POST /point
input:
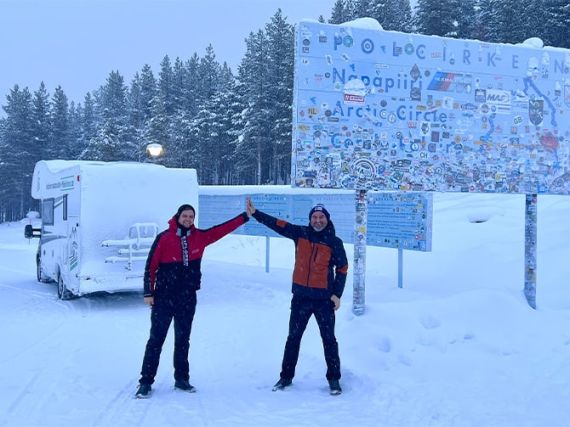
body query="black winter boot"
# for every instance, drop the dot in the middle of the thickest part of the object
(144, 391)
(184, 385)
(334, 387)
(282, 383)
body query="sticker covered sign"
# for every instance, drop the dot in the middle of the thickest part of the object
(384, 110)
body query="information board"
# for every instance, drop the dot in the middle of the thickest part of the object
(400, 220)
(384, 110)
(395, 220)
(293, 208)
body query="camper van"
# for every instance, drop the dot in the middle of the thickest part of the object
(99, 219)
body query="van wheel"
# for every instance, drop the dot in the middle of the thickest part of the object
(62, 292)
(39, 273)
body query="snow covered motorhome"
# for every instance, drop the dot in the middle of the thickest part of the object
(99, 220)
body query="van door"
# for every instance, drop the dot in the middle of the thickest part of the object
(49, 240)
(73, 255)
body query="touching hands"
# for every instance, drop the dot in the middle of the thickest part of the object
(250, 209)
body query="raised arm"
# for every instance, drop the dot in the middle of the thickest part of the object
(280, 226)
(216, 232)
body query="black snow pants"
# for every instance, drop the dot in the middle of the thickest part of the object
(182, 309)
(301, 310)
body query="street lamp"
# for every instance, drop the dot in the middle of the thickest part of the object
(154, 150)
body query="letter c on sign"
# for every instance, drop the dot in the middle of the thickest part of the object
(420, 51)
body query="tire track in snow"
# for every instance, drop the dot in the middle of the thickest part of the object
(32, 292)
(18, 400)
(11, 270)
(34, 307)
(118, 406)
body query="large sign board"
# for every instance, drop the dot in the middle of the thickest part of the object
(384, 110)
(395, 220)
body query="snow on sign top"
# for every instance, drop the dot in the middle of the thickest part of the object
(384, 110)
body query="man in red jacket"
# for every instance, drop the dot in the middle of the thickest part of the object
(319, 276)
(172, 277)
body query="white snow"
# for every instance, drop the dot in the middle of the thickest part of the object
(457, 346)
(364, 24)
(533, 42)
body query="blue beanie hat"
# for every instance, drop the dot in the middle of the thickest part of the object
(320, 208)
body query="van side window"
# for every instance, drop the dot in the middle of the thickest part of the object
(47, 212)
(65, 207)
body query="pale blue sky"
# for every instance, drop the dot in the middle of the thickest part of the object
(76, 43)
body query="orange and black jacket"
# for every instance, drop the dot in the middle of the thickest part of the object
(320, 259)
(174, 260)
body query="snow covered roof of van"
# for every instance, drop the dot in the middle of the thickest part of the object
(51, 177)
(55, 166)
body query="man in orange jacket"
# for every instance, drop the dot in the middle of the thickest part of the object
(319, 277)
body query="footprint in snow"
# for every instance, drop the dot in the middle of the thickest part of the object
(429, 322)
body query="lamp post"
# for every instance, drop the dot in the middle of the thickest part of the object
(155, 151)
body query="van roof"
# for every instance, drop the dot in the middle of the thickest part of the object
(55, 166)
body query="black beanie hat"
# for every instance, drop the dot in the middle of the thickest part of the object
(319, 208)
(184, 207)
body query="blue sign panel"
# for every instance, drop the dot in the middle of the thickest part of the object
(216, 209)
(400, 220)
(395, 220)
(293, 208)
(384, 110)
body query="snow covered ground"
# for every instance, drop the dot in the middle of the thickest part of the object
(457, 346)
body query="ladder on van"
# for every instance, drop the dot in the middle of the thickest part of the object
(136, 246)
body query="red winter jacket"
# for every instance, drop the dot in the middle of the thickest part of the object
(174, 260)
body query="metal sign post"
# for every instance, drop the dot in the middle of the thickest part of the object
(530, 249)
(267, 257)
(400, 267)
(360, 252)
